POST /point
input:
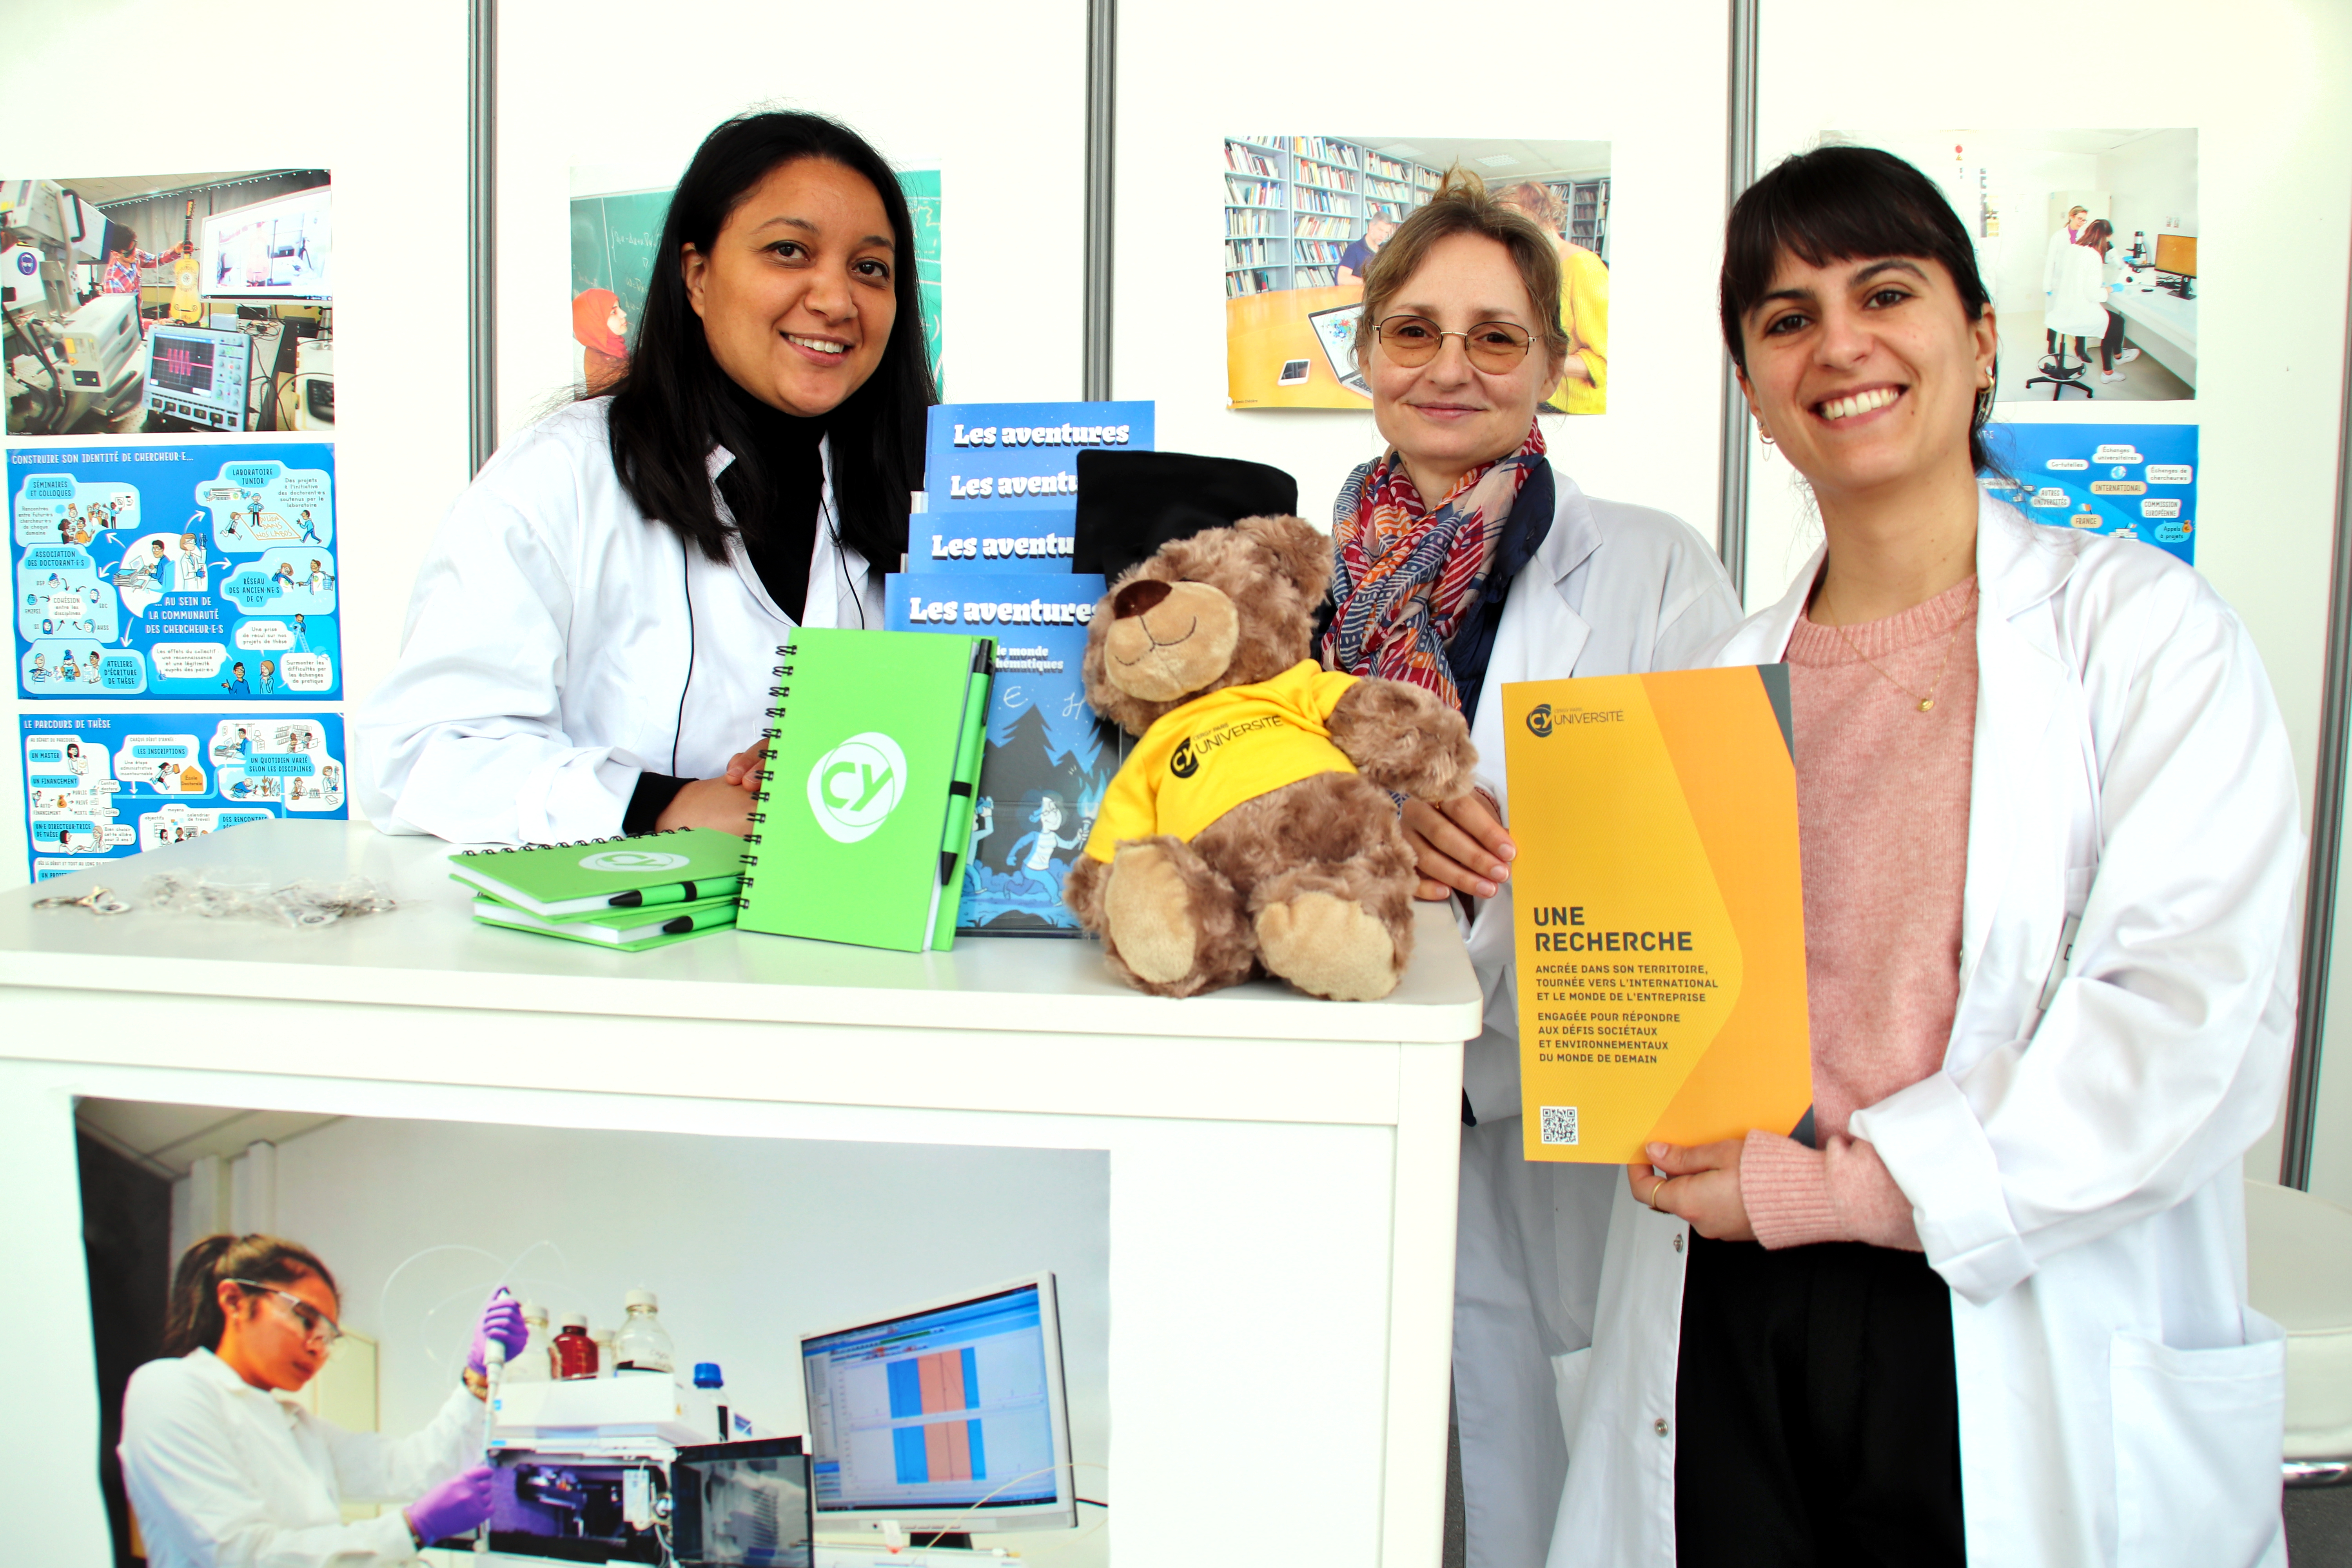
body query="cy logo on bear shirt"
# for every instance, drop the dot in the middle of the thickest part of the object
(853, 787)
(1184, 764)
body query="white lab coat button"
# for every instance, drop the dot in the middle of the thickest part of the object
(1678, 1241)
(1661, 1427)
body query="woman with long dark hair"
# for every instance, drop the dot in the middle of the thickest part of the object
(1989, 1304)
(2079, 298)
(223, 1472)
(593, 633)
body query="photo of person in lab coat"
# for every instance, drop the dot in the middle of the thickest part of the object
(1462, 561)
(1989, 1304)
(2079, 303)
(222, 1470)
(2059, 243)
(591, 638)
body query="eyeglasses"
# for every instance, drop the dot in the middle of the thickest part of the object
(316, 1324)
(1496, 347)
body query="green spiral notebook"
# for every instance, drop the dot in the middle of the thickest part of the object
(679, 866)
(629, 930)
(865, 814)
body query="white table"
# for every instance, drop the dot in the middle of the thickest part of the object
(2163, 324)
(1283, 1170)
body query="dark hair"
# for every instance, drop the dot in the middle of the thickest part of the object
(2096, 233)
(1462, 204)
(1847, 203)
(671, 405)
(193, 1317)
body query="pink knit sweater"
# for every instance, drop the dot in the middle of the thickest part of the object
(1883, 830)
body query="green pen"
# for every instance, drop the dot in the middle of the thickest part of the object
(967, 772)
(675, 893)
(698, 919)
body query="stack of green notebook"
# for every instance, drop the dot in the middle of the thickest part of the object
(865, 816)
(628, 893)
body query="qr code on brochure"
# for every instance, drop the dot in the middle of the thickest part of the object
(1559, 1124)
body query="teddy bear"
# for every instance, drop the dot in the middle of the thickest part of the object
(1253, 825)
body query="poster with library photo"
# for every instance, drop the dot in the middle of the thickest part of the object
(168, 304)
(616, 223)
(2087, 242)
(1304, 214)
(913, 1332)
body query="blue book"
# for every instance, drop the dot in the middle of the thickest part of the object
(1000, 456)
(1048, 758)
(972, 543)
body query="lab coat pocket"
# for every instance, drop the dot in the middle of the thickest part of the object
(2198, 1436)
(2078, 894)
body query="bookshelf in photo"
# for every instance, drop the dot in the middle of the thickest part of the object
(1586, 203)
(1293, 204)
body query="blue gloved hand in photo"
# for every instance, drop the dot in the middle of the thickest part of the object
(454, 1507)
(502, 1321)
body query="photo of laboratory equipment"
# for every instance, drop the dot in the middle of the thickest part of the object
(944, 1420)
(168, 304)
(741, 1505)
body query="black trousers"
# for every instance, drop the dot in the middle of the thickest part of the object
(2110, 345)
(1816, 1412)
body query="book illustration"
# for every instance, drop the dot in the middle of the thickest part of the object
(1047, 760)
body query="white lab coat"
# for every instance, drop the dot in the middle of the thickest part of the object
(2074, 1168)
(1614, 590)
(545, 666)
(2078, 295)
(2060, 244)
(224, 1474)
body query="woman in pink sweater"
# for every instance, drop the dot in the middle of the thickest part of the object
(1987, 1304)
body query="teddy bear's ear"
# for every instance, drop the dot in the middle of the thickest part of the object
(1300, 549)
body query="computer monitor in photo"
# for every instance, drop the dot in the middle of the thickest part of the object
(947, 1417)
(2177, 254)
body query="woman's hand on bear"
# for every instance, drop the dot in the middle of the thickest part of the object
(1459, 846)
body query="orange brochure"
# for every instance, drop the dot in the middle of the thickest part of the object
(1659, 910)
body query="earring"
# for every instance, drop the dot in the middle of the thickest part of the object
(1762, 433)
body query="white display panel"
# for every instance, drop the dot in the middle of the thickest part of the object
(277, 250)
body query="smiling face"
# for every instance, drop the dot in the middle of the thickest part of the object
(1866, 372)
(796, 295)
(264, 1339)
(1447, 416)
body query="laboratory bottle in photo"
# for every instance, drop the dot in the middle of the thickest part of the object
(643, 1344)
(604, 1357)
(535, 1362)
(575, 1353)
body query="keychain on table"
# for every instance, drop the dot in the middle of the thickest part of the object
(98, 901)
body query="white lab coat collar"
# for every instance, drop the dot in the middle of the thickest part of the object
(2018, 568)
(828, 573)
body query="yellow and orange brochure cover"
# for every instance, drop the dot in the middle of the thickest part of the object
(1658, 908)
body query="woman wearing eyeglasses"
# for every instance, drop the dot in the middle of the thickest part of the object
(1464, 562)
(222, 1471)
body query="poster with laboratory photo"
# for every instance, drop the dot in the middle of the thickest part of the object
(169, 304)
(911, 1333)
(2087, 240)
(616, 224)
(1304, 216)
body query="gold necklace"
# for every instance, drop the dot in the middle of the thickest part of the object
(1927, 703)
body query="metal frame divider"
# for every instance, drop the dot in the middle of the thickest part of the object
(2326, 824)
(1740, 172)
(482, 231)
(1102, 84)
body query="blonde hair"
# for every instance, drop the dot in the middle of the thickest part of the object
(1538, 201)
(1462, 204)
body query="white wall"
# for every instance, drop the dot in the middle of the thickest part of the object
(1648, 80)
(750, 1243)
(381, 104)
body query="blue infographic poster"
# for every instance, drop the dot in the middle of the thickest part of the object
(2128, 481)
(102, 788)
(999, 456)
(196, 571)
(1048, 760)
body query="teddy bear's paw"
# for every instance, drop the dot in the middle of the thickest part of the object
(1148, 910)
(1328, 946)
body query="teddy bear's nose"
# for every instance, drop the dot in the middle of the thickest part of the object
(1139, 597)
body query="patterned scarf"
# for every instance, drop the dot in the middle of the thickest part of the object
(1404, 575)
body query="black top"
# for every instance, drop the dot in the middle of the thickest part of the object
(775, 488)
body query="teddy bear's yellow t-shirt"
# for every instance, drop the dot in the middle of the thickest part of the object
(1200, 761)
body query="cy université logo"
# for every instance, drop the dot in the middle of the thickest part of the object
(854, 786)
(632, 860)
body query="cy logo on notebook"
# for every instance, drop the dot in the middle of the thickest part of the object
(633, 861)
(854, 786)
